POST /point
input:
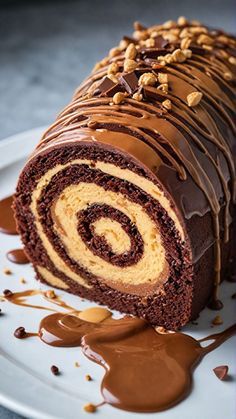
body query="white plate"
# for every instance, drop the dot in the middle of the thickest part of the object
(26, 384)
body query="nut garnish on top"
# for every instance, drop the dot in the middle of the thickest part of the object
(176, 43)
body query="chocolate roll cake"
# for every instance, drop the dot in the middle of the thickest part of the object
(128, 198)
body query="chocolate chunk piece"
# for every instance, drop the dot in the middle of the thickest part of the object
(197, 49)
(221, 372)
(130, 40)
(55, 370)
(130, 82)
(152, 52)
(104, 87)
(20, 333)
(160, 42)
(113, 90)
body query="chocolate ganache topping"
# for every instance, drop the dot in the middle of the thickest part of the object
(129, 197)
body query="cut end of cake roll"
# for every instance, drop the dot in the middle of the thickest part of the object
(128, 198)
(97, 223)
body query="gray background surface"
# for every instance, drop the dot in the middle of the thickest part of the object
(48, 47)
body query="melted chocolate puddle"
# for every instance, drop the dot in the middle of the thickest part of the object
(7, 220)
(146, 371)
(17, 256)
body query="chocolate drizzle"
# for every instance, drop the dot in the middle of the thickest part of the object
(192, 141)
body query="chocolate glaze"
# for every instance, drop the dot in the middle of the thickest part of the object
(17, 256)
(147, 369)
(7, 221)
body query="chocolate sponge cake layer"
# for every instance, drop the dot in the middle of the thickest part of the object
(128, 198)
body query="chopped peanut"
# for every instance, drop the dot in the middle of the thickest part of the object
(167, 104)
(228, 76)
(137, 96)
(232, 60)
(162, 78)
(113, 68)
(185, 43)
(129, 65)
(194, 98)
(118, 98)
(182, 21)
(131, 52)
(147, 79)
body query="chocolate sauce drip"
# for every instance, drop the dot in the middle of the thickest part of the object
(17, 256)
(7, 221)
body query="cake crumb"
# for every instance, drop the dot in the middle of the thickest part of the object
(7, 271)
(88, 377)
(76, 364)
(22, 281)
(217, 321)
(50, 294)
(90, 408)
(55, 370)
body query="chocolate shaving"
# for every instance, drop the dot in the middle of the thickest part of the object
(221, 372)
(130, 82)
